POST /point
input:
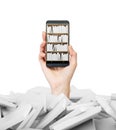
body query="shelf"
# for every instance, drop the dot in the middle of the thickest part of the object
(57, 42)
(57, 51)
(57, 33)
(57, 24)
(56, 60)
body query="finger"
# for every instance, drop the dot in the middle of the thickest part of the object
(42, 60)
(41, 56)
(43, 46)
(44, 36)
(73, 54)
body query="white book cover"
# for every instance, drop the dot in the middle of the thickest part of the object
(30, 129)
(113, 96)
(113, 105)
(80, 106)
(77, 120)
(0, 112)
(76, 112)
(22, 125)
(33, 118)
(15, 117)
(55, 101)
(53, 114)
(106, 107)
(4, 102)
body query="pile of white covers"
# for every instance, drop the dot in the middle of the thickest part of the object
(38, 109)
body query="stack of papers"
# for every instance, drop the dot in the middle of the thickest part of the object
(38, 109)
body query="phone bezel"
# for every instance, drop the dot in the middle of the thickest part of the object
(58, 63)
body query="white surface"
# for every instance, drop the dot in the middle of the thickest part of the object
(93, 35)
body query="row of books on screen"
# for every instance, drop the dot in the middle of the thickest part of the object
(57, 29)
(57, 38)
(57, 47)
(57, 56)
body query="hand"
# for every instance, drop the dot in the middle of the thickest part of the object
(59, 78)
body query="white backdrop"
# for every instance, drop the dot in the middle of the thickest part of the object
(93, 36)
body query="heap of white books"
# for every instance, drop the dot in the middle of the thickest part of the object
(38, 109)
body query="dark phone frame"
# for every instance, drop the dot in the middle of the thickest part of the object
(57, 63)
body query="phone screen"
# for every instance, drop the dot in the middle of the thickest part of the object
(57, 35)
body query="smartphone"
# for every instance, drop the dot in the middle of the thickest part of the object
(57, 37)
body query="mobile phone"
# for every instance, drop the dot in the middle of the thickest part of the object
(57, 37)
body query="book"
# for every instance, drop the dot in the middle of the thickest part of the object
(59, 108)
(6, 103)
(77, 120)
(74, 113)
(15, 117)
(106, 107)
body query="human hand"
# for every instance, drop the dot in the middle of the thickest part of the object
(59, 78)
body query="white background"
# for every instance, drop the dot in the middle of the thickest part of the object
(92, 34)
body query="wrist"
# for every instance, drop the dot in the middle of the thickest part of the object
(64, 88)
